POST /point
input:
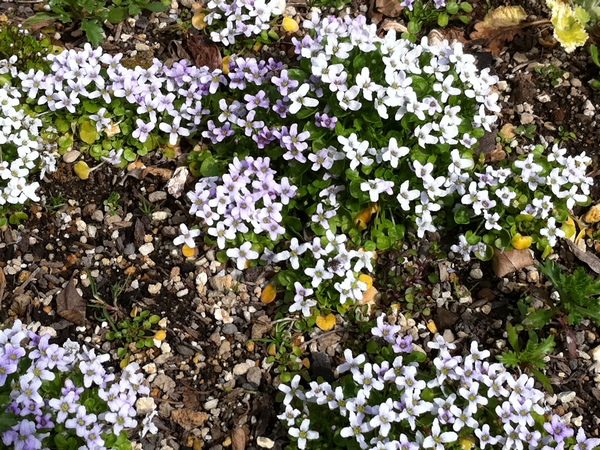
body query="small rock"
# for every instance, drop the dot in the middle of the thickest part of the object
(254, 375)
(526, 118)
(476, 274)
(264, 442)
(159, 216)
(154, 288)
(224, 348)
(242, 368)
(71, 157)
(566, 397)
(229, 329)
(98, 215)
(211, 404)
(520, 58)
(149, 368)
(146, 249)
(184, 350)
(157, 196)
(145, 405)
(221, 283)
(164, 383)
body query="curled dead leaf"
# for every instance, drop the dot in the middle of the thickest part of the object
(204, 52)
(499, 27)
(188, 418)
(70, 305)
(510, 261)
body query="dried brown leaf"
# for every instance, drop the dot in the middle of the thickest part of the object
(164, 174)
(390, 8)
(499, 27)
(176, 183)
(589, 258)
(2, 284)
(189, 419)
(393, 25)
(510, 261)
(204, 52)
(70, 305)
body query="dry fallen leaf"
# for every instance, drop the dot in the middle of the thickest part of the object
(593, 214)
(587, 257)
(499, 26)
(189, 419)
(204, 52)
(393, 25)
(164, 174)
(2, 284)
(510, 261)
(369, 296)
(70, 305)
(390, 8)
(176, 184)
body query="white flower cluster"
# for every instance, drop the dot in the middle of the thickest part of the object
(242, 17)
(21, 148)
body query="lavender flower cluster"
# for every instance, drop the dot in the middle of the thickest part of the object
(247, 196)
(396, 404)
(54, 390)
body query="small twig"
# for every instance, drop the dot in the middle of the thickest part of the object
(31, 277)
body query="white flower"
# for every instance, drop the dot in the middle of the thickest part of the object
(406, 196)
(303, 433)
(186, 236)
(299, 99)
(242, 255)
(552, 232)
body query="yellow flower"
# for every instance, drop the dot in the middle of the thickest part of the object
(568, 28)
(290, 25)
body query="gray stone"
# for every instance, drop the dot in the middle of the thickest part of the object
(229, 329)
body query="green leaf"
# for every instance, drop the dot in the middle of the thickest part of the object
(383, 242)
(373, 347)
(134, 9)
(17, 217)
(210, 168)
(461, 216)
(117, 15)
(88, 133)
(509, 359)
(452, 8)
(7, 421)
(539, 318)
(542, 378)
(443, 20)
(513, 337)
(154, 319)
(93, 31)
(39, 18)
(156, 7)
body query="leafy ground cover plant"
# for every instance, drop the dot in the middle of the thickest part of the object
(396, 400)
(63, 397)
(89, 15)
(421, 14)
(322, 163)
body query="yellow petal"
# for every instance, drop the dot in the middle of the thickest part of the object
(268, 294)
(160, 335)
(199, 21)
(466, 443)
(188, 251)
(290, 25)
(226, 64)
(82, 170)
(326, 323)
(520, 242)
(366, 279)
(431, 326)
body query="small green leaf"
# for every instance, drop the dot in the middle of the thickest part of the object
(121, 352)
(461, 216)
(93, 31)
(154, 319)
(513, 337)
(17, 217)
(210, 168)
(452, 8)
(117, 15)
(373, 347)
(156, 7)
(443, 20)
(539, 319)
(141, 343)
(88, 133)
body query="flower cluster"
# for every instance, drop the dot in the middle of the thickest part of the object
(246, 198)
(58, 394)
(22, 150)
(393, 403)
(240, 18)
